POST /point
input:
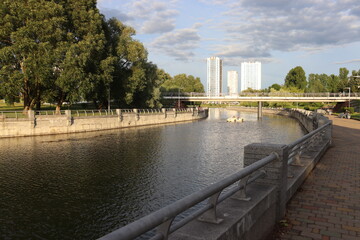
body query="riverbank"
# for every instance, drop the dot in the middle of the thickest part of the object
(34, 124)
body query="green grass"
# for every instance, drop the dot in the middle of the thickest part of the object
(355, 116)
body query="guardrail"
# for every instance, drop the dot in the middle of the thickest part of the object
(13, 114)
(88, 113)
(262, 94)
(162, 220)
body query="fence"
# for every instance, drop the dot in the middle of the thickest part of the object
(274, 167)
(89, 113)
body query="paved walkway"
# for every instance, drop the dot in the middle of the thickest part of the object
(327, 206)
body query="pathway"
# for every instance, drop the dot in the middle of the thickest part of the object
(327, 206)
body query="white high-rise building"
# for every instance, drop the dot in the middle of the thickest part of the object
(250, 75)
(233, 83)
(214, 76)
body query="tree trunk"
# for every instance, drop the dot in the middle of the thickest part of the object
(57, 110)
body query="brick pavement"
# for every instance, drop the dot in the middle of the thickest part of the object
(327, 206)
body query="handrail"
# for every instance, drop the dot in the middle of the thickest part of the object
(307, 136)
(264, 94)
(168, 213)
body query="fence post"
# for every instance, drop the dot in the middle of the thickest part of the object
(276, 172)
(163, 110)
(136, 111)
(68, 117)
(119, 114)
(31, 117)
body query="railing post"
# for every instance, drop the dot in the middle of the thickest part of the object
(210, 216)
(68, 117)
(276, 172)
(136, 111)
(119, 114)
(31, 116)
(175, 113)
(163, 110)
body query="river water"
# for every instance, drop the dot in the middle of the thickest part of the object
(82, 186)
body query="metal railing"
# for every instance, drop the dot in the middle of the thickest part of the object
(163, 218)
(13, 114)
(263, 94)
(49, 113)
(306, 143)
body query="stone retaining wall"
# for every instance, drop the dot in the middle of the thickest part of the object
(59, 124)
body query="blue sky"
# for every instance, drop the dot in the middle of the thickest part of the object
(319, 35)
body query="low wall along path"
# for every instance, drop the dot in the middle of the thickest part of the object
(35, 123)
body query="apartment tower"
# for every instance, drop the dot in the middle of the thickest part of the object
(214, 76)
(232, 83)
(250, 75)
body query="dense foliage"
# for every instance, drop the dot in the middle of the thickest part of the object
(66, 51)
(183, 83)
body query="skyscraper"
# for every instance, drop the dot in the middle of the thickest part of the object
(250, 75)
(232, 83)
(214, 76)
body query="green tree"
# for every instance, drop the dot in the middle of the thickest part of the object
(343, 79)
(354, 82)
(275, 86)
(83, 70)
(296, 78)
(184, 83)
(29, 34)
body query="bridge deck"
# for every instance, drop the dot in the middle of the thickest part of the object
(327, 205)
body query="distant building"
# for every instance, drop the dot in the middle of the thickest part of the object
(250, 75)
(214, 76)
(233, 83)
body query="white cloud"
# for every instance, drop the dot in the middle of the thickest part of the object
(179, 44)
(349, 61)
(255, 28)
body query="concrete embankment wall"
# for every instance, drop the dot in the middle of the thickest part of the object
(308, 119)
(254, 217)
(58, 124)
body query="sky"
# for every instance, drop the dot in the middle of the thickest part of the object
(321, 36)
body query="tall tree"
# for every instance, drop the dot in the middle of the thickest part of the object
(296, 78)
(343, 79)
(354, 82)
(183, 83)
(81, 72)
(29, 34)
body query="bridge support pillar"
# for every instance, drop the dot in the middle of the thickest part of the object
(259, 113)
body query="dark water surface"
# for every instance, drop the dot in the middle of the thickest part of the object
(82, 186)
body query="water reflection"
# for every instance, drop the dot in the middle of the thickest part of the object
(83, 186)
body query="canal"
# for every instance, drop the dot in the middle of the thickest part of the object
(85, 185)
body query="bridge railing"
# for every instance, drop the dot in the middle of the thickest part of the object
(174, 95)
(162, 220)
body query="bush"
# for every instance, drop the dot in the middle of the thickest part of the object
(350, 109)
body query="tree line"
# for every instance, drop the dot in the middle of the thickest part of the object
(60, 51)
(296, 81)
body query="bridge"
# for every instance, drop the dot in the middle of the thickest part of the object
(265, 97)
